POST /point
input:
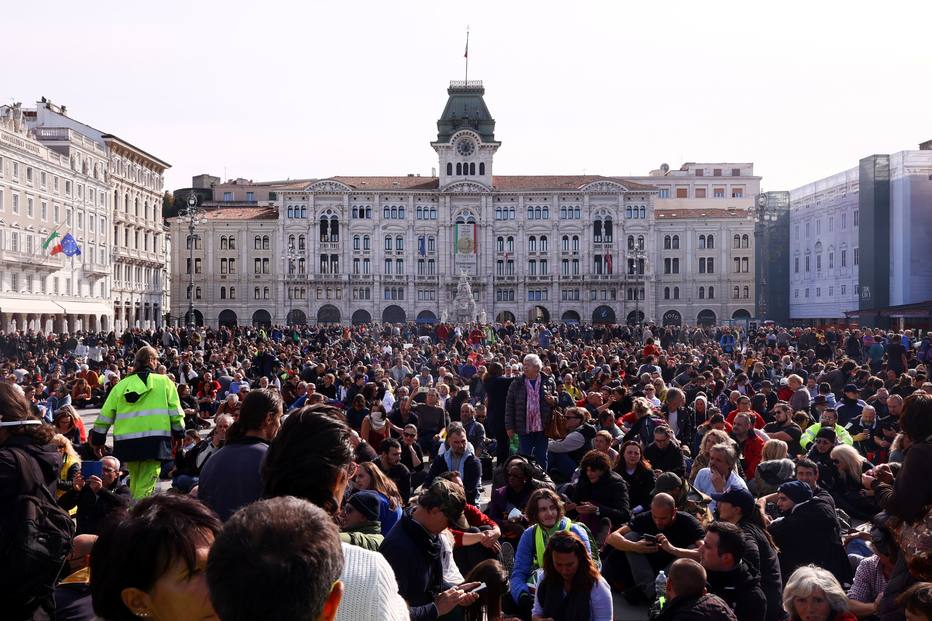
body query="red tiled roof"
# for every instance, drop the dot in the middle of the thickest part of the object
(242, 213)
(677, 214)
(501, 183)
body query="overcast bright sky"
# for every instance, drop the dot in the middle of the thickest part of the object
(272, 90)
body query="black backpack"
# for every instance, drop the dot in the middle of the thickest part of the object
(36, 541)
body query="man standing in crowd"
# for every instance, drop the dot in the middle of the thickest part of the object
(147, 422)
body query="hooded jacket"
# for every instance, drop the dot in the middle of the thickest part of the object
(367, 536)
(609, 493)
(740, 589)
(770, 474)
(809, 533)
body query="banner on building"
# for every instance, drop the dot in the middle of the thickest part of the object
(465, 238)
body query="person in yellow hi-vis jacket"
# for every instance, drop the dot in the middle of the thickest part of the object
(147, 420)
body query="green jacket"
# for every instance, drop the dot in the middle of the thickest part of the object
(811, 431)
(368, 536)
(142, 429)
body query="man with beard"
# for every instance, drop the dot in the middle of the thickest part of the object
(783, 428)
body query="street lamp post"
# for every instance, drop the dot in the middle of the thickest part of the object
(763, 218)
(194, 214)
(638, 255)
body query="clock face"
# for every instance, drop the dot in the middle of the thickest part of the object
(465, 146)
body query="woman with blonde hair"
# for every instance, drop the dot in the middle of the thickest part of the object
(814, 594)
(369, 477)
(846, 490)
(777, 469)
(70, 466)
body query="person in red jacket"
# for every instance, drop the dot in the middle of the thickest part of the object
(750, 445)
(744, 405)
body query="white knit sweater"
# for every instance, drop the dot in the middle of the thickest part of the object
(370, 592)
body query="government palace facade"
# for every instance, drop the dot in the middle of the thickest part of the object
(672, 247)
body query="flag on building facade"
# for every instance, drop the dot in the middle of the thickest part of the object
(421, 248)
(49, 240)
(69, 246)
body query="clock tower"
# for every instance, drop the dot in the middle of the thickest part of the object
(465, 141)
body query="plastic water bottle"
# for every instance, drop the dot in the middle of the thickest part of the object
(660, 586)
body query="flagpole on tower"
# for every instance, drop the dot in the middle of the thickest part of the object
(466, 55)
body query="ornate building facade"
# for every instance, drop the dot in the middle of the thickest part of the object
(532, 248)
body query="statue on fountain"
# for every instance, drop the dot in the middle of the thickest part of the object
(464, 305)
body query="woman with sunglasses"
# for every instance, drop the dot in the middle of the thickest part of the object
(571, 587)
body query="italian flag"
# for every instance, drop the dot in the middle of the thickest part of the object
(49, 240)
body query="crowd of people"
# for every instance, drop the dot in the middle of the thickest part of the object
(534, 472)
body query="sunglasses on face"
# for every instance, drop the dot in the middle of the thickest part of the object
(408, 434)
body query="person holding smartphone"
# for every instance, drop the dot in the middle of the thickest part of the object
(96, 495)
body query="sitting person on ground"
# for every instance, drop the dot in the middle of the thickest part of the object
(571, 587)
(783, 428)
(774, 470)
(231, 478)
(564, 455)
(369, 477)
(737, 507)
(312, 458)
(637, 473)
(750, 444)
(72, 595)
(687, 598)
(722, 555)
(665, 453)
(389, 462)
(814, 594)
(807, 532)
(709, 439)
(848, 492)
(278, 559)
(190, 462)
(821, 453)
(359, 521)
(461, 459)
(873, 572)
(600, 497)
(547, 516)
(413, 549)
(506, 507)
(633, 557)
(721, 474)
(828, 419)
(163, 578)
(95, 498)
(475, 536)
(687, 497)
(489, 604)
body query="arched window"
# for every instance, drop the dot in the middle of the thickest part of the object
(666, 293)
(640, 242)
(597, 231)
(231, 243)
(301, 243)
(701, 293)
(472, 169)
(747, 292)
(702, 242)
(304, 212)
(500, 244)
(702, 265)
(223, 242)
(735, 293)
(565, 243)
(676, 293)
(291, 242)
(265, 293)
(394, 212)
(543, 243)
(334, 229)
(481, 168)
(290, 211)
(232, 293)
(607, 230)
(355, 242)
(643, 212)
(676, 242)
(399, 243)
(431, 244)
(449, 169)
(256, 294)
(223, 293)
(257, 243)
(736, 241)
(710, 242)
(630, 242)
(537, 213)
(388, 243)
(365, 242)
(324, 229)
(532, 244)
(385, 212)
(197, 293)
(667, 244)
(745, 240)
(459, 169)
(711, 293)
(628, 212)
(265, 242)
(510, 244)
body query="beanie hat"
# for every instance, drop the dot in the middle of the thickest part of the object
(827, 433)
(797, 491)
(367, 503)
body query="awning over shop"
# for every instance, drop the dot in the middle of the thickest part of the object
(918, 309)
(86, 308)
(33, 307)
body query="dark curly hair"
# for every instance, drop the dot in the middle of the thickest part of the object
(14, 407)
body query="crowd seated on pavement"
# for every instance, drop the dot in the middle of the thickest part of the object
(492, 471)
